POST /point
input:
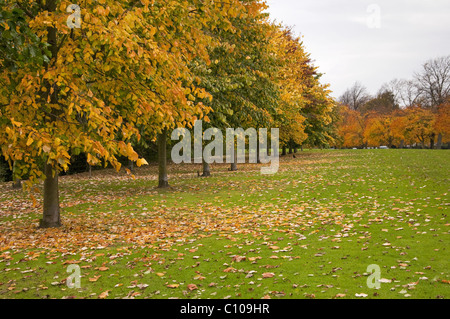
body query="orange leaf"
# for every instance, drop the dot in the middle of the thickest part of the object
(173, 286)
(104, 294)
(95, 278)
(192, 287)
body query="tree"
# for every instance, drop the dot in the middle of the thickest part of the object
(442, 123)
(419, 125)
(351, 127)
(292, 78)
(383, 103)
(384, 129)
(434, 84)
(355, 97)
(434, 81)
(238, 77)
(88, 90)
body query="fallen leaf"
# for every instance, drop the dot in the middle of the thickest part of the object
(192, 287)
(95, 278)
(238, 259)
(229, 269)
(173, 286)
(104, 294)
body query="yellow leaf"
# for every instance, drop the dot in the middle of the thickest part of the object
(30, 141)
(141, 162)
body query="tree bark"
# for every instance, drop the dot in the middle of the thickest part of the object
(432, 141)
(233, 166)
(283, 150)
(439, 142)
(51, 216)
(51, 213)
(206, 170)
(258, 158)
(131, 166)
(163, 180)
(17, 184)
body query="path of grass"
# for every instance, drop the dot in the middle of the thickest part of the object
(309, 231)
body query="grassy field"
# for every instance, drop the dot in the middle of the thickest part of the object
(310, 231)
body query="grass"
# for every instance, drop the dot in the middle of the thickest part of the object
(310, 231)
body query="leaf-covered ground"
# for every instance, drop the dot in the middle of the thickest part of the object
(310, 231)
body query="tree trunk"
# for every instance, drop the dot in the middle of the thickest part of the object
(233, 167)
(295, 150)
(290, 148)
(301, 147)
(17, 184)
(439, 142)
(51, 217)
(283, 150)
(51, 214)
(206, 170)
(258, 159)
(402, 144)
(163, 180)
(432, 141)
(131, 166)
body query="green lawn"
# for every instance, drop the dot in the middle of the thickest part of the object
(310, 231)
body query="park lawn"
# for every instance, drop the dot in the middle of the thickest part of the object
(310, 231)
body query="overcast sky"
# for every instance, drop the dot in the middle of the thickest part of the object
(371, 42)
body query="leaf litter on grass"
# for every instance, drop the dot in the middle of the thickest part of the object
(331, 213)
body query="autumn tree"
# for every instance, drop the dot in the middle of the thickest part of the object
(238, 77)
(291, 78)
(442, 123)
(66, 91)
(433, 82)
(383, 129)
(420, 124)
(351, 127)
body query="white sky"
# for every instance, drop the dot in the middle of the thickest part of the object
(344, 41)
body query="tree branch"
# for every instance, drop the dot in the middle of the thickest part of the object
(27, 12)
